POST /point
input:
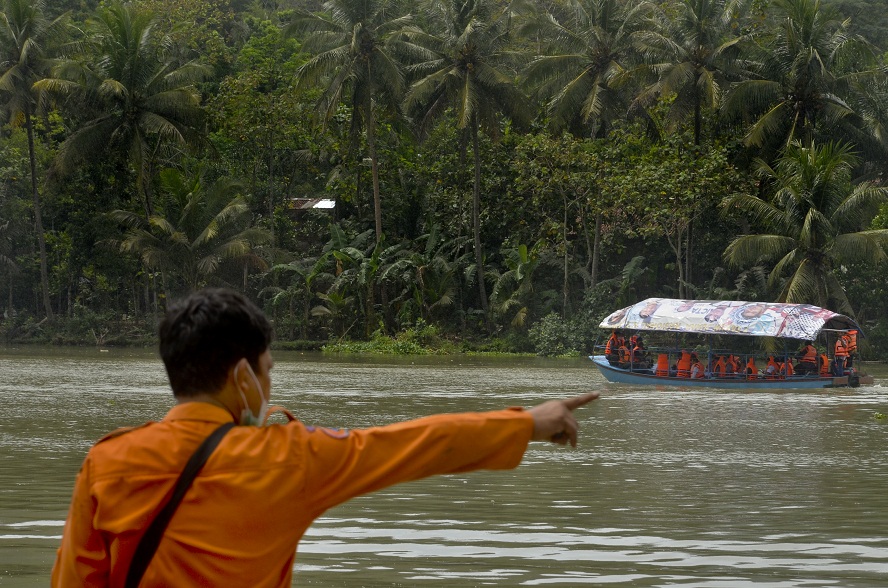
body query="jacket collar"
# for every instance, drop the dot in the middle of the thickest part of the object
(198, 411)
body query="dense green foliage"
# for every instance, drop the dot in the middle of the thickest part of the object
(503, 174)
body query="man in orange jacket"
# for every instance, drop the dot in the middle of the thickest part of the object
(242, 517)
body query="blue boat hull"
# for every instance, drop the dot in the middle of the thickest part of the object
(647, 378)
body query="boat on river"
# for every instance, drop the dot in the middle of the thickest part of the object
(723, 320)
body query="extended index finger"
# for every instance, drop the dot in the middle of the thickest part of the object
(578, 401)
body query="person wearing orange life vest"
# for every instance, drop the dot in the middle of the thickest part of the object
(246, 511)
(611, 349)
(719, 367)
(851, 345)
(624, 356)
(824, 365)
(639, 358)
(807, 357)
(840, 355)
(732, 366)
(772, 370)
(683, 367)
(751, 369)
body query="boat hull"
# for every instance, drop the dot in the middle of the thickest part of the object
(647, 378)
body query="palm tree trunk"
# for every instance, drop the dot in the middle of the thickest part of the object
(38, 218)
(476, 223)
(142, 184)
(566, 269)
(697, 118)
(374, 169)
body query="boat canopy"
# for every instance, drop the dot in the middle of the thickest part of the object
(729, 317)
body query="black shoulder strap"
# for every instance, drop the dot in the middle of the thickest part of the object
(151, 539)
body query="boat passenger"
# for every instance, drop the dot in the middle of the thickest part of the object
(697, 370)
(751, 369)
(839, 357)
(732, 365)
(786, 368)
(639, 359)
(624, 358)
(772, 370)
(683, 366)
(807, 356)
(824, 365)
(662, 368)
(611, 350)
(851, 345)
(719, 368)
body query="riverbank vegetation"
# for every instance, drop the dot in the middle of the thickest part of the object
(411, 176)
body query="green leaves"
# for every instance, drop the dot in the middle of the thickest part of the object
(816, 216)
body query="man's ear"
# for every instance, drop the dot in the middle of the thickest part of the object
(240, 375)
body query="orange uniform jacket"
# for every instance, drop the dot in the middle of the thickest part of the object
(241, 520)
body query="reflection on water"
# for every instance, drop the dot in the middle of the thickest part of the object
(696, 487)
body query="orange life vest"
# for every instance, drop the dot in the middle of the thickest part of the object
(733, 365)
(809, 354)
(751, 370)
(624, 354)
(612, 344)
(718, 369)
(824, 365)
(841, 348)
(684, 365)
(852, 341)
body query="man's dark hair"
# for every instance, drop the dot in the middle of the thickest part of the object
(205, 334)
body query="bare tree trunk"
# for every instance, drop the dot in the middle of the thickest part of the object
(679, 262)
(596, 251)
(38, 218)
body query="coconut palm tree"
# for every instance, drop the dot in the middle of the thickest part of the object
(801, 82)
(140, 99)
(465, 73)
(204, 226)
(813, 224)
(26, 35)
(587, 53)
(355, 60)
(692, 56)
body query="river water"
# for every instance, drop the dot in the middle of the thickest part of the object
(698, 487)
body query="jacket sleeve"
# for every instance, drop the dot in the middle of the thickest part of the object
(82, 559)
(344, 464)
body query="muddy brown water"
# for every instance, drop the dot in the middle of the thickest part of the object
(668, 487)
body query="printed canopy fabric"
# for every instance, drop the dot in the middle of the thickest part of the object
(728, 317)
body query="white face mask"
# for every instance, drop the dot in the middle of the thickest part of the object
(247, 417)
